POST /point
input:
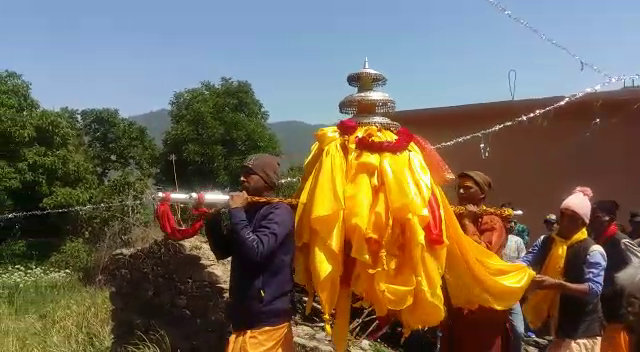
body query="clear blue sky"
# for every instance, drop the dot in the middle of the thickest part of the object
(134, 54)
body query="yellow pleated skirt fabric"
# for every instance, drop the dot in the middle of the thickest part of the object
(360, 229)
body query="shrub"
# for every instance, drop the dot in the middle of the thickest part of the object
(74, 255)
(15, 251)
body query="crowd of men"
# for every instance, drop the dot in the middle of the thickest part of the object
(620, 244)
(573, 298)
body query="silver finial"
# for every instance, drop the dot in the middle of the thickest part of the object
(368, 106)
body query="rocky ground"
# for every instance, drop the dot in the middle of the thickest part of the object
(309, 339)
(535, 344)
(176, 288)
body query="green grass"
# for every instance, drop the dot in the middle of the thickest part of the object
(52, 311)
(49, 310)
(46, 310)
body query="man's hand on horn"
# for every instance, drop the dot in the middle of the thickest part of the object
(238, 199)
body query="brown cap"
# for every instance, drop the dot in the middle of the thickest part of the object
(266, 166)
(481, 180)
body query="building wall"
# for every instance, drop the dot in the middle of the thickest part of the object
(590, 142)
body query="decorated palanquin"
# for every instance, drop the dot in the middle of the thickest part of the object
(373, 221)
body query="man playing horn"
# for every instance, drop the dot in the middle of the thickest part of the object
(259, 241)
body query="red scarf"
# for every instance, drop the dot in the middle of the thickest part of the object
(168, 223)
(610, 232)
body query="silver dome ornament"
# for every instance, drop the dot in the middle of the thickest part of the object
(369, 107)
(375, 78)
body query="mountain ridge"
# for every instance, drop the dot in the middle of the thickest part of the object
(296, 137)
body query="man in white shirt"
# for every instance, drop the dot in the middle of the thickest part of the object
(513, 251)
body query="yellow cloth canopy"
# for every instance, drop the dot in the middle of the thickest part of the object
(369, 210)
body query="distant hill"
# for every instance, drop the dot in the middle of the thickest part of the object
(296, 137)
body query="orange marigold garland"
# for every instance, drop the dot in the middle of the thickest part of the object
(348, 127)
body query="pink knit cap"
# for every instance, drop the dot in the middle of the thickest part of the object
(579, 202)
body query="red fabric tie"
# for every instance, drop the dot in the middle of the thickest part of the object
(168, 223)
(610, 232)
(433, 230)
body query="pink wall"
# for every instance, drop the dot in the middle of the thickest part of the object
(537, 163)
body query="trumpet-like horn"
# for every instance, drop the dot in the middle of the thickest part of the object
(208, 198)
(219, 199)
(215, 199)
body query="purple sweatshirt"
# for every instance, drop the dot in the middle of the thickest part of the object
(260, 243)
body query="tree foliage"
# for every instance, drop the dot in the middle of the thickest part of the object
(43, 161)
(124, 158)
(116, 144)
(65, 158)
(290, 182)
(15, 94)
(57, 159)
(214, 127)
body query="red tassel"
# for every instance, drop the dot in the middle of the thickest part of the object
(433, 231)
(168, 223)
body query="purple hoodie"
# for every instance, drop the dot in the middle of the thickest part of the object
(260, 243)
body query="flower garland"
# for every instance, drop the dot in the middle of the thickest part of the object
(348, 127)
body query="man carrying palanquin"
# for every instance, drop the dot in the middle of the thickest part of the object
(485, 329)
(565, 298)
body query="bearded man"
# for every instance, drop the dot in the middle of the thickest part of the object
(260, 242)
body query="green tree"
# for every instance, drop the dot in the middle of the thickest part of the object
(44, 166)
(117, 144)
(214, 127)
(124, 158)
(290, 182)
(67, 158)
(15, 94)
(44, 162)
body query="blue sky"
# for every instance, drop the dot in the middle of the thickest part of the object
(134, 54)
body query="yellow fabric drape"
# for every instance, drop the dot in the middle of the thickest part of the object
(543, 304)
(378, 203)
(268, 339)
